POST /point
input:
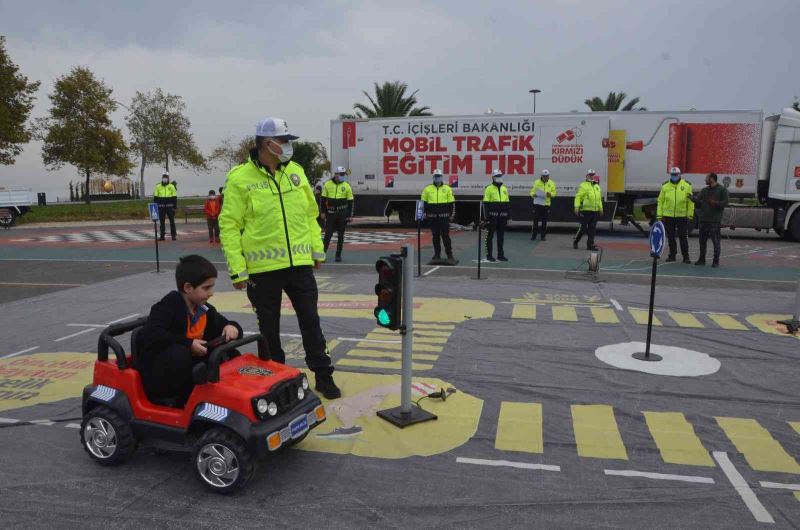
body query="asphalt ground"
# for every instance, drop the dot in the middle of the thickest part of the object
(551, 425)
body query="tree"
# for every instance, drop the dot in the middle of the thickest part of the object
(390, 102)
(79, 130)
(314, 158)
(16, 102)
(161, 132)
(231, 153)
(612, 102)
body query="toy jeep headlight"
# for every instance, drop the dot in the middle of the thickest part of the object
(262, 406)
(301, 393)
(304, 384)
(272, 408)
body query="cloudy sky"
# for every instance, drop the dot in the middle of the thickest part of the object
(235, 62)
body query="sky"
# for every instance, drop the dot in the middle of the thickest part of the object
(237, 62)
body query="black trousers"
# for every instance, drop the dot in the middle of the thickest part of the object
(167, 211)
(265, 291)
(710, 231)
(440, 228)
(679, 225)
(335, 222)
(168, 374)
(588, 227)
(213, 228)
(540, 214)
(496, 225)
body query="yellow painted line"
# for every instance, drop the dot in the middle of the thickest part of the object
(759, 448)
(685, 320)
(359, 352)
(524, 311)
(425, 325)
(727, 322)
(797, 495)
(795, 425)
(565, 312)
(519, 427)
(604, 315)
(596, 432)
(417, 332)
(640, 317)
(388, 365)
(676, 439)
(396, 346)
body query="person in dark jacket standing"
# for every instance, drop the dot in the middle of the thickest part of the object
(174, 338)
(711, 202)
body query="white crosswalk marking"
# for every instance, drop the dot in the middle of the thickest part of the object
(372, 238)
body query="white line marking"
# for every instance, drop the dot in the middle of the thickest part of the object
(86, 325)
(745, 492)
(506, 463)
(73, 425)
(8, 420)
(778, 485)
(123, 318)
(42, 422)
(659, 476)
(10, 355)
(682, 311)
(433, 270)
(87, 330)
(616, 304)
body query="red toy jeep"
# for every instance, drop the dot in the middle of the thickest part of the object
(240, 409)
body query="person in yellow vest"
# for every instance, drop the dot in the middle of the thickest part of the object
(439, 210)
(272, 243)
(589, 207)
(498, 212)
(675, 208)
(542, 192)
(166, 196)
(337, 198)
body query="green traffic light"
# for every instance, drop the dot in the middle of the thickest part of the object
(383, 317)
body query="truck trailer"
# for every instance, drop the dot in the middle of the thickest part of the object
(392, 159)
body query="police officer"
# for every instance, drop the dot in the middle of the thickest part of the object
(166, 196)
(589, 207)
(497, 208)
(272, 242)
(337, 198)
(675, 207)
(439, 210)
(542, 192)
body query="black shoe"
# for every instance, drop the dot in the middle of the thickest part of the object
(575, 244)
(338, 259)
(173, 238)
(687, 260)
(715, 265)
(502, 258)
(592, 247)
(161, 238)
(490, 258)
(670, 259)
(700, 262)
(326, 385)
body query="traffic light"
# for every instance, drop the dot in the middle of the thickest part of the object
(390, 292)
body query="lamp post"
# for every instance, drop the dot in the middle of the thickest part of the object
(534, 91)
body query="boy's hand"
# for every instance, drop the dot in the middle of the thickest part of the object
(198, 348)
(230, 332)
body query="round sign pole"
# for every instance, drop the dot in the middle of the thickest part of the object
(656, 246)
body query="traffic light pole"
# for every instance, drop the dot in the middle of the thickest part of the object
(407, 414)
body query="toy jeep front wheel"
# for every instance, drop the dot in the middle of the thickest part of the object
(222, 461)
(106, 437)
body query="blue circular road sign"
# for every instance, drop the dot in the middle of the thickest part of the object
(657, 239)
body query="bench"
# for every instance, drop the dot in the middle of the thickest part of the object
(6, 218)
(191, 209)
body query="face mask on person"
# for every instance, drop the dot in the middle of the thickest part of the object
(437, 180)
(674, 178)
(164, 181)
(339, 178)
(286, 151)
(212, 197)
(497, 180)
(589, 178)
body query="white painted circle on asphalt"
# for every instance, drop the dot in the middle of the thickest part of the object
(678, 362)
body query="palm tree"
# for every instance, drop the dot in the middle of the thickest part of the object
(612, 102)
(390, 102)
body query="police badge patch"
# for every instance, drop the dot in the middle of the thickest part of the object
(254, 370)
(295, 179)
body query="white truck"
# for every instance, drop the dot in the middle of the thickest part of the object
(13, 204)
(757, 158)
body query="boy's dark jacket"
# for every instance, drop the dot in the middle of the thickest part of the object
(167, 324)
